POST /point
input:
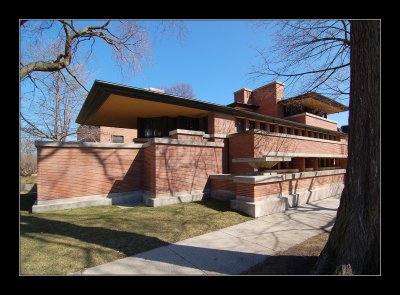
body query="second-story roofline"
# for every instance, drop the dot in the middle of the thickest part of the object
(101, 90)
(330, 105)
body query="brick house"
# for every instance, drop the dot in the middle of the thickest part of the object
(263, 153)
(87, 133)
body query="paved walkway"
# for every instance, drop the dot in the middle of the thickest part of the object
(231, 250)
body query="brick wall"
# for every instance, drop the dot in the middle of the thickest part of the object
(72, 172)
(243, 96)
(249, 145)
(312, 120)
(269, 143)
(221, 123)
(149, 169)
(240, 146)
(188, 137)
(185, 168)
(107, 132)
(320, 122)
(267, 97)
(252, 191)
(221, 184)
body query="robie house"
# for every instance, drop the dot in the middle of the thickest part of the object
(263, 153)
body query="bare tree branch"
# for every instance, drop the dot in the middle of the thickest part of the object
(127, 45)
(312, 53)
(76, 79)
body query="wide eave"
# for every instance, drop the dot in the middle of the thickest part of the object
(115, 105)
(315, 101)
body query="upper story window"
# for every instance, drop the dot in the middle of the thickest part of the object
(288, 130)
(239, 125)
(280, 129)
(296, 132)
(252, 125)
(303, 133)
(271, 128)
(262, 126)
(117, 139)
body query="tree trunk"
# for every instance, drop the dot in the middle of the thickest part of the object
(354, 243)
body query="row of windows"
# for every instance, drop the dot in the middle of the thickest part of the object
(240, 126)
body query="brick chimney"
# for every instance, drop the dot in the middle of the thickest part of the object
(243, 96)
(267, 98)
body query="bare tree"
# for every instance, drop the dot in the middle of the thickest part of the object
(28, 163)
(319, 53)
(88, 133)
(308, 56)
(50, 113)
(127, 39)
(354, 243)
(180, 89)
(52, 72)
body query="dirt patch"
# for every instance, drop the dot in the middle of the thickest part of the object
(297, 260)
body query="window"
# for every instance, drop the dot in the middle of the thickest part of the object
(280, 129)
(187, 123)
(117, 139)
(296, 132)
(161, 126)
(239, 125)
(271, 128)
(288, 130)
(252, 125)
(262, 126)
(303, 132)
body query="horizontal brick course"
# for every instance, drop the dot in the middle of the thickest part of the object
(73, 172)
(253, 145)
(254, 191)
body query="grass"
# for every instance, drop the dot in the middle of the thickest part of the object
(28, 179)
(297, 260)
(61, 242)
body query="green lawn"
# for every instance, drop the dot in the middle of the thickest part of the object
(61, 242)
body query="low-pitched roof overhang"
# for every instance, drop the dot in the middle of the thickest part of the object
(116, 105)
(240, 105)
(316, 102)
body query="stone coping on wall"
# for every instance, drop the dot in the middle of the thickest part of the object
(215, 135)
(182, 142)
(262, 159)
(303, 155)
(284, 135)
(76, 144)
(186, 132)
(311, 115)
(257, 179)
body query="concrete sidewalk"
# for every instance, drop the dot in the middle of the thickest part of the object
(231, 250)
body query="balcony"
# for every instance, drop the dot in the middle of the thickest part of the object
(313, 120)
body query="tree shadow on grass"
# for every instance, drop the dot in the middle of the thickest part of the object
(217, 205)
(125, 242)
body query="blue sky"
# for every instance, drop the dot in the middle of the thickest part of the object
(215, 58)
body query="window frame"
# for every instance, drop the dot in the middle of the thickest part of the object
(119, 136)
